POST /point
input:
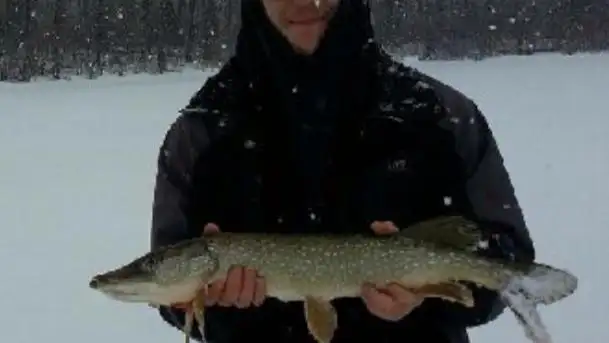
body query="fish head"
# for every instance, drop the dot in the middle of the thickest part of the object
(162, 277)
(130, 283)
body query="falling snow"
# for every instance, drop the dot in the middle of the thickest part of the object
(79, 162)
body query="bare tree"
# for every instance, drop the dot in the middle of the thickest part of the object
(58, 38)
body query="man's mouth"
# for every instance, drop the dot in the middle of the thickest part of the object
(307, 21)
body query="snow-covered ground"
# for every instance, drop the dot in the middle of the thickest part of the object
(78, 162)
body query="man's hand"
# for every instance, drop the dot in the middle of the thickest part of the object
(242, 287)
(391, 302)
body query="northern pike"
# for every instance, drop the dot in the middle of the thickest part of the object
(432, 258)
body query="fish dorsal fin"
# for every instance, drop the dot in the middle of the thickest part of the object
(448, 231)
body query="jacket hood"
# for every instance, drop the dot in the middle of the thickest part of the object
(347, 40)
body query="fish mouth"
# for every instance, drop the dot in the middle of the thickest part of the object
(121, 293)
(96, 283)
(119, 289)
(126, 293)
(144, 290)
(100, 282)
(127, 297)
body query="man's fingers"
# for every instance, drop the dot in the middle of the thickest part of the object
(391, 302)
(242, 287)
(260, 291)
(403, 296)
(214, 292)
(377, 302)
(210, 229)
(246, 296)
(232, 287)
(182, 306)
(215, 289)
(384, 227)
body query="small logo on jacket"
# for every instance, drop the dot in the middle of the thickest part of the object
(397, 165)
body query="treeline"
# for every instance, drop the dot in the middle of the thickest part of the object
(60, 38)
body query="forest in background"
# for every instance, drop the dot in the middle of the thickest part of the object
(58, 39)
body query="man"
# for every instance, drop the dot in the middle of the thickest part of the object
(311, 127)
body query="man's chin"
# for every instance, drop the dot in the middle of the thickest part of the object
(306, 44)
(305, 49)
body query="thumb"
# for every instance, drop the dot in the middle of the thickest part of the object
(384, 227)
(210, 229)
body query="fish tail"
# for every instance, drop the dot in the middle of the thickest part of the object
(542, 284)
(545, 285)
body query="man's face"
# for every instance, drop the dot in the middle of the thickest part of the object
(302, 22)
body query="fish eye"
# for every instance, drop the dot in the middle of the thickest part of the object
(468, 229)
(150, 261)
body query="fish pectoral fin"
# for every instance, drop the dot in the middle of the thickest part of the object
(448, 231)
(449, 291)
(195, 311)
(321, 318)
(198, 310)
(188, 320)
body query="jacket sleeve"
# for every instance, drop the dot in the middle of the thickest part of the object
(176, 215)
(185, 140)
(181, 148)
(486, 194)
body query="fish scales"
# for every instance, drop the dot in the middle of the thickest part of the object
(336, 266)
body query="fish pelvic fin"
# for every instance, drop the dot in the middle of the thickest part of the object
(188, 323)
(544, 285)
(455, 232)
(321, 317)
(198, 311)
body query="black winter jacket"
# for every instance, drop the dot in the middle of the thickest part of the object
(328, 143)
